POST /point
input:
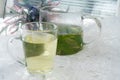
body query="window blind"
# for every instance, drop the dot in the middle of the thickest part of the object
(93, 7)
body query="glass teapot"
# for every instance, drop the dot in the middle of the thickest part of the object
(74, 29)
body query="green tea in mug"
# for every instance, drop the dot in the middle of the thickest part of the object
(39, 51)
(70, 39)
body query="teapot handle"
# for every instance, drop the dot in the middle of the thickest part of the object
(91, 29)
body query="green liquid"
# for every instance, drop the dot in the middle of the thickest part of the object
(40, 51)
(70, 39)
(69, 44)
(33, 49)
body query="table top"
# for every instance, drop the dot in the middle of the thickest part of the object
(99, 60)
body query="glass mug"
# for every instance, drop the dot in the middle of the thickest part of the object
(39, 42)
(74, 30)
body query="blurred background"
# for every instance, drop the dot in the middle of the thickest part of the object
(13, 11)
(93, 7)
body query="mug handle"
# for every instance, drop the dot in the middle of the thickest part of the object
(91, 29)
(16, 50)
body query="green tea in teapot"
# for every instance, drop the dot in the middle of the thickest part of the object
(70, 39)
(71, 25)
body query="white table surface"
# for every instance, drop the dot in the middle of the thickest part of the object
(98, 61)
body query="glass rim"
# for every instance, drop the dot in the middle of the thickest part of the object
(48, 23)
